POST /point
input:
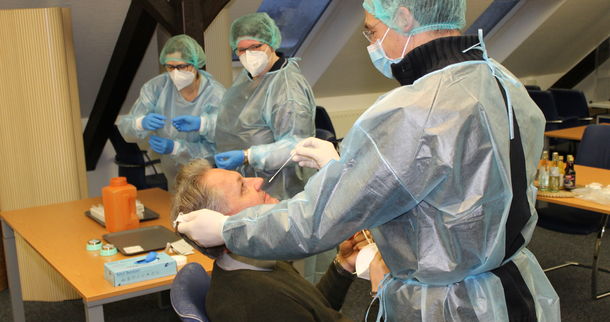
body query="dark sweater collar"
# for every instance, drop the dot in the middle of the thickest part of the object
(279, 63)
(434, 55)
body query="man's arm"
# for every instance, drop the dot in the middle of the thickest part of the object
(341, 272)
(361, 190)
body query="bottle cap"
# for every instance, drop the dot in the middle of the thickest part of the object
(94, 244)
(108, 250)
(118, 181)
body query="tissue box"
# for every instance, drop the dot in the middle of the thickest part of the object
(127, 271)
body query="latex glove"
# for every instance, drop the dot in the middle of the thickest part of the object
(161, 145)
(187, 123)
(203, 226)
(314, 153)
(229, 160)
(153, 121)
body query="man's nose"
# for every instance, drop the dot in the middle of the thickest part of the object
(257, 183)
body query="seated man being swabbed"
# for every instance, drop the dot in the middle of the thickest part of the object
(246, 289)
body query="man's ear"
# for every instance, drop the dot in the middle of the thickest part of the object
(404, 20)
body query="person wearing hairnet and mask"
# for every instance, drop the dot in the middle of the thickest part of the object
(269, 108)
(440, 169)
(176, 111)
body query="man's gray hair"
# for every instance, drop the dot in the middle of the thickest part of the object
(192, 193)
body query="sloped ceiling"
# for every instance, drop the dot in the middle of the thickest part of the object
(559, 43)
(352, 72)
(575, 29)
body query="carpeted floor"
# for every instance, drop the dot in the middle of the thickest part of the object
(551, 248)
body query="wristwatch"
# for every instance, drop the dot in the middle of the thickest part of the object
(342, 271)
(246, 152)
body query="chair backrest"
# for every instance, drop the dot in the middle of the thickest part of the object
(570, 102)
(127, 153)
(188, 292)
(594, 148)
(132, 165)
(129, 159)
(544, 100)
(323, 121)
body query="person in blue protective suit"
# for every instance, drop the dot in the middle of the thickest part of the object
(269, 108)
(440, 170)
(176, 111)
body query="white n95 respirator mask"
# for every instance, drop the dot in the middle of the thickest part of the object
(254, 61)
(181, 78)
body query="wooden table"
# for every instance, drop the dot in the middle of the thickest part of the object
(571, 133)
(59, 234)
(586, 175)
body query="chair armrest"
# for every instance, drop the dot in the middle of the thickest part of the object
(554, 121)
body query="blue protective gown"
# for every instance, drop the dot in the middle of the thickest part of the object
(269, 115)
(159, 95)
(428, 169)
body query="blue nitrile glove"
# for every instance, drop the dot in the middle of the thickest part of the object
(153, 121)
(187, 123)
(229, 160)
(161, 145)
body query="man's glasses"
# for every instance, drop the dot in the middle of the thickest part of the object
(238, 51)
(370, 32)
(178, 67)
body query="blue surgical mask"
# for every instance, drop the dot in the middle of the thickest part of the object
(381, 60)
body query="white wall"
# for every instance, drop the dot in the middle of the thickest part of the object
(344, 110)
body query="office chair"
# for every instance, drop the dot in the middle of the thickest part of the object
(546, 103)
(188, 292)
(130, 160)
(572, 103)
(594, 151)
(324, 126)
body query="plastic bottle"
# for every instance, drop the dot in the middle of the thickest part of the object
(569, 179)
(119, 200)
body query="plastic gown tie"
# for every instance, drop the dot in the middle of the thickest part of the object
(501, 77)
(380, 290)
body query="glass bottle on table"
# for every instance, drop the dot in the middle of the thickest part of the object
(562, 167)
(554, 173)
(543, 172)
(554, 179)
(569, 178)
